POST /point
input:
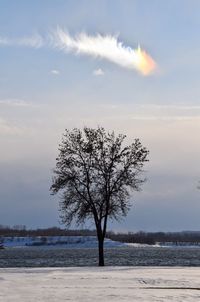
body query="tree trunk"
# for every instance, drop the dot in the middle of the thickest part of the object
(101, 251)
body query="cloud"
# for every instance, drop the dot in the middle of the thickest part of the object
(55, 72)
(165, 118)
(9, 129)
(34, 41)
(171, 106)
(105, 47)
(98, 72)
(3, 41)
(153, 112)
(15, 103)
(172, 111)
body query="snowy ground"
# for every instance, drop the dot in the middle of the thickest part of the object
(106, 284)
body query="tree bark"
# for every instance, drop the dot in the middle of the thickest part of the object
(101, 250)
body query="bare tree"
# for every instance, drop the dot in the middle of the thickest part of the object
(96, 173)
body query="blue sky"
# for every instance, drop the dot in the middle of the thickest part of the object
(44, 90)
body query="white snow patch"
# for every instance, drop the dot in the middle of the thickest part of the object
(58, 241)
(90, 284)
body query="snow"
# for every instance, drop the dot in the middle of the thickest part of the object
(79, 242)
(142, 245)
(94, 284)
(180, 244)
(62, 241)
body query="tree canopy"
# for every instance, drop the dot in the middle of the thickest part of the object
(96, 173)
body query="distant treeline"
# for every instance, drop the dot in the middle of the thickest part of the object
(21, 231)
(130, 237)
(157, 237)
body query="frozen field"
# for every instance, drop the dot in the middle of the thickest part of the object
(100, 284)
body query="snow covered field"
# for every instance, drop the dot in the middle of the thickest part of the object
(95, 284)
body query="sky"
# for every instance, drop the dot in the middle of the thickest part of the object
(67, 64)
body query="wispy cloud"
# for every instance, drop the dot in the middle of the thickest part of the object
(164, 118)
(106, 47)
(171, 106)
(55, 72)
(9, 129)
(16, 103)
(34, 41)
(172, 111)
(153, 112)
(4, 41)
(98, 72)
